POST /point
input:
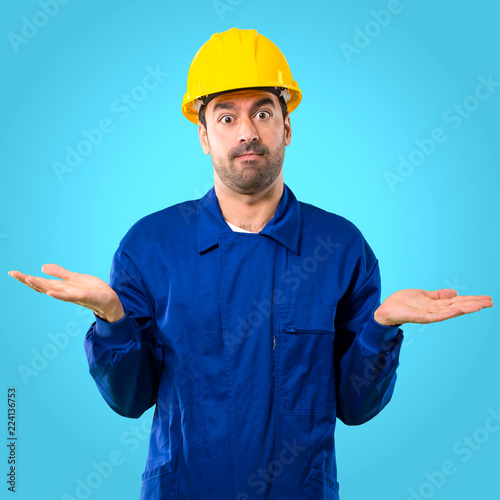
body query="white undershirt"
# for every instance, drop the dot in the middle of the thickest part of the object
(237, 229)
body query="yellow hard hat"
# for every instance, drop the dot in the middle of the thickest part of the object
(237, 59)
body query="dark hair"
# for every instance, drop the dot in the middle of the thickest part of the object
(203, 121)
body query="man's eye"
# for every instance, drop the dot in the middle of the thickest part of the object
(263, 115)
(226, 119)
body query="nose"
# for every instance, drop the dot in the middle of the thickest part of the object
(247, 131)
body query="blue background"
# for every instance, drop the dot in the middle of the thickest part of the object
(437, 227)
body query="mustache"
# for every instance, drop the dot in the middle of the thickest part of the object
(258, 149)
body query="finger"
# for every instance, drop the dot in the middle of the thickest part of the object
(443, 293)
(60, 294)
(42, 285)
(472, 305)
(484, 301)
(32, 285)
(463, 305)
(425, 317)
(456, 310)
(19, 275)
(32, 281)
(471, 297)
(62, 291)
(57, 271)
(451, 312)
(25, 279)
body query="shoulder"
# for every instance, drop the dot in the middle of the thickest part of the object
(339, 233)
(171, 221)
(316, 219)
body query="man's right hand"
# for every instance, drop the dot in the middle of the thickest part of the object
(82, 289)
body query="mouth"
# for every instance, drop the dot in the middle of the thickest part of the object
(248, 156)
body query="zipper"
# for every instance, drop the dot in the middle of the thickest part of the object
(274, 342)
(311, 331)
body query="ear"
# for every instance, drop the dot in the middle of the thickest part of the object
(288, 130)
(202, 132)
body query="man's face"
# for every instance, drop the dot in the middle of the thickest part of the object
(246, 139)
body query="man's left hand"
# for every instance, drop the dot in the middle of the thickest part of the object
(423, 306)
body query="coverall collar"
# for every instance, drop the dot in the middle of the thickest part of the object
(284, 227)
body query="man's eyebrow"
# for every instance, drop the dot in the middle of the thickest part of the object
(224, 105)
(265, 101)
(231, 105)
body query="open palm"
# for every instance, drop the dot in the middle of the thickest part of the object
(423, 306)
(83, 289)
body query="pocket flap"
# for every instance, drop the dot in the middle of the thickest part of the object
(313, 317)
(319, 484)
(157, 471)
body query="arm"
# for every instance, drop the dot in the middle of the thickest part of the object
(368, 338)
(124, 359)
(366, 352)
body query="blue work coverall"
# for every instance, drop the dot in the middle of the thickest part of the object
(250, 346)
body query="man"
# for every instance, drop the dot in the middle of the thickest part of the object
(251, 320)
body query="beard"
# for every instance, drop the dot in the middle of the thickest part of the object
(250, 176)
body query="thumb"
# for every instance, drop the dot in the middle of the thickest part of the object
(443, 293)
(57, 271)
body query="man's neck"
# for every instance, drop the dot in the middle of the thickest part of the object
(249, 211)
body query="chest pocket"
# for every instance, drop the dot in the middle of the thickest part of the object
(305, 371)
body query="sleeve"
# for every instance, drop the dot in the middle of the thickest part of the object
(124, 359)
(366, 352)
